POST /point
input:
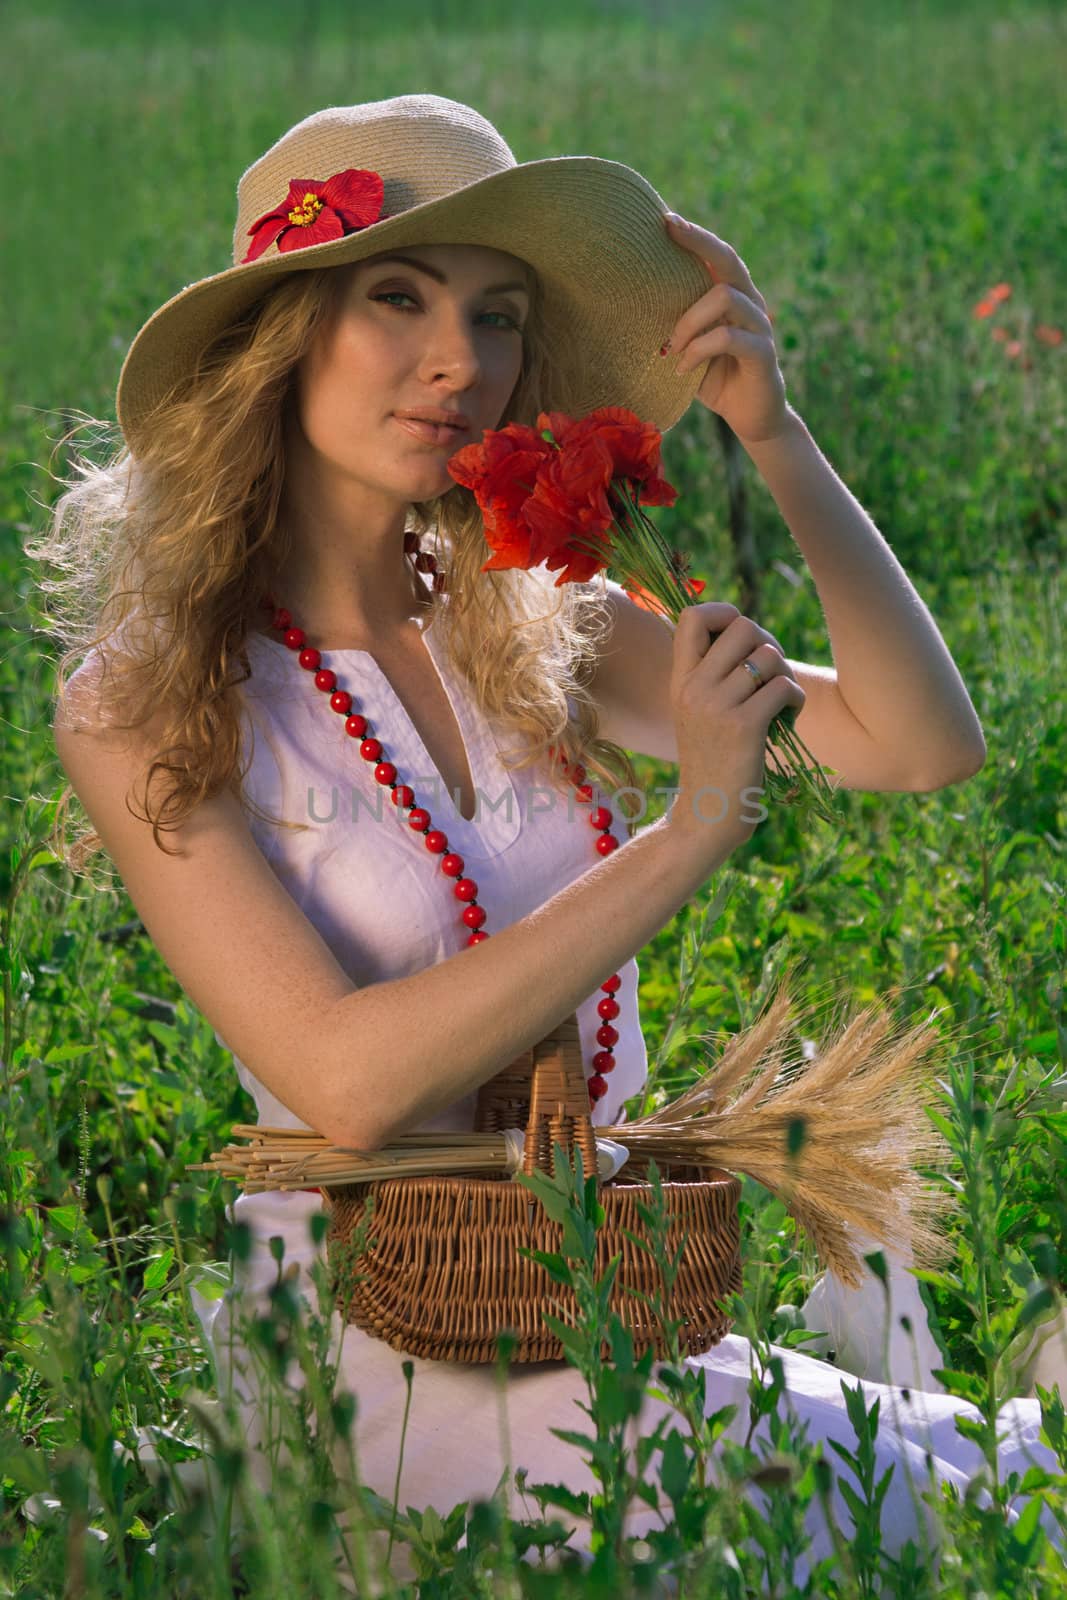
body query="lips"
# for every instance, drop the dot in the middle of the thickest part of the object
(431, 432)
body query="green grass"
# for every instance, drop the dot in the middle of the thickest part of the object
(879, 168)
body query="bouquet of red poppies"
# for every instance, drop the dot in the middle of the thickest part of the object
(568, 495)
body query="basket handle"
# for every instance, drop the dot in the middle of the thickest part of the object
(546, 1086)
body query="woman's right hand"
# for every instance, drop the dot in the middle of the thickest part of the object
(721, 718)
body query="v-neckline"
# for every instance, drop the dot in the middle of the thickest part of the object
(469, 733)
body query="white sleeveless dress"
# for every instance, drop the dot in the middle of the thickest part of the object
(367, 886)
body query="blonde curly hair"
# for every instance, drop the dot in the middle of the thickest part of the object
(187, 535)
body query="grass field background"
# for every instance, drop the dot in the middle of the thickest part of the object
(894, 177)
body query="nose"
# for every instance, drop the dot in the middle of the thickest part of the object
(454, 350)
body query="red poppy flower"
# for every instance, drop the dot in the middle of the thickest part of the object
(633, 446)
(543, 499)
(985, 308)
(1000, 291)
(556, 496)
(314, 212)
(1048, 335)
(501, 473)
(569, 508)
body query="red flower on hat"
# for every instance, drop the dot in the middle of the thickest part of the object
(314, 212)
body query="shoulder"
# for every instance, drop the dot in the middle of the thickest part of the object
(92, 709)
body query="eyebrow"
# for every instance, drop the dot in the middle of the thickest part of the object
(439, 277)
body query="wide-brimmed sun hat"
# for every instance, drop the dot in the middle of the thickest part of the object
(351, 181)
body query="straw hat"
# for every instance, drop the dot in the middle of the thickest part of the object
(350, 181)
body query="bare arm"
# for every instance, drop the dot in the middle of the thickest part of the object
(363, 1064)
(452, 1026)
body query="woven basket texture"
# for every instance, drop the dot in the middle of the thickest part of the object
(438, 1271)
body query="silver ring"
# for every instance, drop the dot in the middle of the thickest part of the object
(755, 671)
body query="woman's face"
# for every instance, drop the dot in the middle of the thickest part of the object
(401, 341)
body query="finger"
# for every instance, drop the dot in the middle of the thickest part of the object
(715, 614)
(718, 615)
(720, 256)
(769, 699)
(697, 626)
(744, 641)
(740, 685)
(756, 634)
(721, 306)
(751, 348)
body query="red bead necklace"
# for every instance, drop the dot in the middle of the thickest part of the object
(402, 795)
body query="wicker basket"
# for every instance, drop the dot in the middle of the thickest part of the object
(441, 1274)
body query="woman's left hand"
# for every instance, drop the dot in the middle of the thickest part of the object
(730, 324)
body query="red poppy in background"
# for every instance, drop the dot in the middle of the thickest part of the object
(648, 602)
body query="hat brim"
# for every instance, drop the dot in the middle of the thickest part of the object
(591, 229)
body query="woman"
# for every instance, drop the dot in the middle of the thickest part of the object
(274, 481)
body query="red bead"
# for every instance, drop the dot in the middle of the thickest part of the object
(411, 541)
(425, 562)
(402, 795)
(598, 1087)
(440, 582)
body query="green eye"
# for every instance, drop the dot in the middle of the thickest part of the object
(402, 294)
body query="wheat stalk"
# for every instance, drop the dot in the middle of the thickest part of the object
(837, 1138)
